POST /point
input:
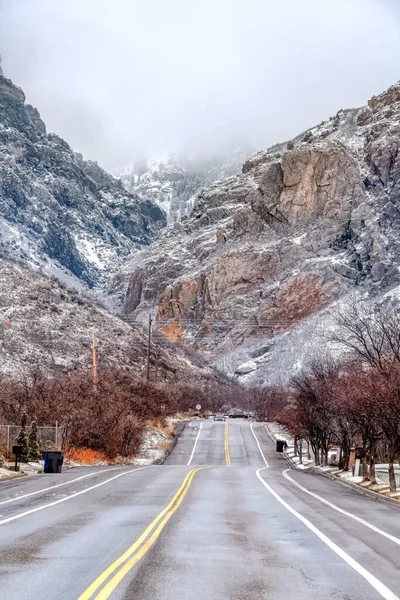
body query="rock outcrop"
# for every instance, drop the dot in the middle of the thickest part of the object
(173, 184)
(58, 211)
(65, 226)
(45, 325)
(264, 254)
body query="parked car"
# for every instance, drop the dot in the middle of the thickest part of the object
(219, 417)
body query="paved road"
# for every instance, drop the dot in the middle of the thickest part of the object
(198, 531)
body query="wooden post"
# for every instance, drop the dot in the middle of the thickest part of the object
(94, 353)
(156, 373)
(148, 349)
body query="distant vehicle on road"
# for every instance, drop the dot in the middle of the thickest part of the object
(239, 415)
(219, 417)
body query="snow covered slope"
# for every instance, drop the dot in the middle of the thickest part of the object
(58, 211)
(65, 226)
(44, 324)
(174, 183)
(250, 275)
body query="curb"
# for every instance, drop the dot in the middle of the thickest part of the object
(285, 455)
(291, 461)
(12, 477)
(356, 487)
(180, 426)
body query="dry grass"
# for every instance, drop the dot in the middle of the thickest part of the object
(86, 456)
(166, 428)
(162, 446)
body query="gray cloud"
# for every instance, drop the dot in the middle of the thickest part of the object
(120, 79)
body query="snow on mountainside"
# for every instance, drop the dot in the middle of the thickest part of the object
(58, 211)
(44, 324)
(250, 275)
(65, 226)
(174, 183)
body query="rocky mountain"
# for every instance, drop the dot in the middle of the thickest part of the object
(174, 183)
(45, 324)
(65, 226)
(58, 211)
(250, 275)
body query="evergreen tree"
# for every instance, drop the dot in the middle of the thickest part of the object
(34, 453)
(22, 440)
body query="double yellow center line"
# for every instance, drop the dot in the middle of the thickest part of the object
(226, 446)
(128, 560)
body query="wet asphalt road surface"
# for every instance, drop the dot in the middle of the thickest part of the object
(243, 531)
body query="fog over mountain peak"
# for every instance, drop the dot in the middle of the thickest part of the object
(126, 80)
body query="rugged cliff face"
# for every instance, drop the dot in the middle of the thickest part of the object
(249, 275)
(45, 325)
(57, 210)
(63, 216)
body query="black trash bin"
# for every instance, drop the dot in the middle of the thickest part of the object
(280, 445)
(53, 460)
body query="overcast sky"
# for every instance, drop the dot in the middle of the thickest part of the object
(123, 79)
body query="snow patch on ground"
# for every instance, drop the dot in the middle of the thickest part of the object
(88, 250)
(157, 443)
(278, 432)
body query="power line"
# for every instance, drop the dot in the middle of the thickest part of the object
(205, 321)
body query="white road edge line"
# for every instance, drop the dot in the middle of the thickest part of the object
(53, 487)
(258, 444)
(195, 444)
(341, 510)
(43, 506)
(371, 579)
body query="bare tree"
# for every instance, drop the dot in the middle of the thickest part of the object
(372, 335)
(314, 408)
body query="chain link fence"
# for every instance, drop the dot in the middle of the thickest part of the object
(49, 437)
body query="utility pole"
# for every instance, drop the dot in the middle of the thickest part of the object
(156, 373)
(94, 355)
(148, 349)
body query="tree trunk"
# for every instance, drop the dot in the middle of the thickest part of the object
(301, 451)
(345, 453)
(316, 454)
(364, 466)
(341, 458)
(347, 459)
(392, 476)
(372, 473)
